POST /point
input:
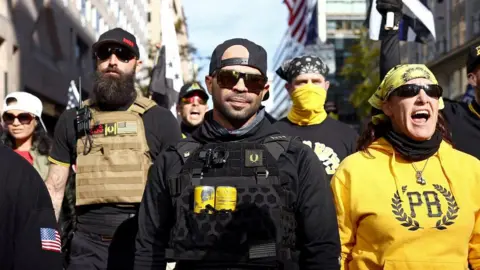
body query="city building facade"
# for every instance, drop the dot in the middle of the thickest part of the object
(457, 27)
(155, 34)
(46, 44)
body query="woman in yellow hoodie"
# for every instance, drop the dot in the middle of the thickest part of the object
(408, 199)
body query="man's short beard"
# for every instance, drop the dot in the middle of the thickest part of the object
(111, 93)
(236, 118)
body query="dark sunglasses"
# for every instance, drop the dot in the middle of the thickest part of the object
(229, 78)
(23, 118)
(191, 100)
(411, 90)
(123, 54)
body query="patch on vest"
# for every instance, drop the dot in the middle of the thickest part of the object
(129, 127)
(253, 157)
(112, 129)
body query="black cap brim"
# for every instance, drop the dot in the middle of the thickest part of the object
(96, 45)
(201, 92)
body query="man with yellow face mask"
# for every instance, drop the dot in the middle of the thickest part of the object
(307, 86)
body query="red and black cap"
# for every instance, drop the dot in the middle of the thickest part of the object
(118, 36)
(473, 59)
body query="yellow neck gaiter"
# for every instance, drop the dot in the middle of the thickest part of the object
(308, 105)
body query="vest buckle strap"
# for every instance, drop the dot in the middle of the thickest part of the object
(197, 175)
(261, 174)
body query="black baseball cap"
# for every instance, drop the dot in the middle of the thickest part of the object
(190, 88)
(118, 36)
(257, 57)
(473, 59)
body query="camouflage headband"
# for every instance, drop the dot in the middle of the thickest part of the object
(302, 65)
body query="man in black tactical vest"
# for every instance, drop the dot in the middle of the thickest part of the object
(237, 194)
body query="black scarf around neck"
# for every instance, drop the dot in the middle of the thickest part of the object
(412, 150)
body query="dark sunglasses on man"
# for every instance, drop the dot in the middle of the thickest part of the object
(123, 54)
(411, 90)
(23, 118)
(227, 78)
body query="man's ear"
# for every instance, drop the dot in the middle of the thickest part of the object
(289, 88)
(265, 90)
(472, 79)
(327, 85)
(209, 83)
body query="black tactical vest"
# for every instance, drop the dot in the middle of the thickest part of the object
(259, 232)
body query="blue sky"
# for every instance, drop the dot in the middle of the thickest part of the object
(210, 22)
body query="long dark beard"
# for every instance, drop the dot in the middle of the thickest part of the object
(111, 93)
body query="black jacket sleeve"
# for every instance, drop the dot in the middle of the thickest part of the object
(155, 219)
(389, 52)
(319, 241)
(34, 212)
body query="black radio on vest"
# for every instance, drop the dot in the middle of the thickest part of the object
(259, 232)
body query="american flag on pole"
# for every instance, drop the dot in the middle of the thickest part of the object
(297, 19)
(417, 23)
(50, 239)
(73, 96)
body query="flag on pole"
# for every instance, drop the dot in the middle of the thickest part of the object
(417, 23)
(73, 96)
(297, 19)
(173, 69)
(160, 86)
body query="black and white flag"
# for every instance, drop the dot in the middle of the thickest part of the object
(417, 23)
(73, 96)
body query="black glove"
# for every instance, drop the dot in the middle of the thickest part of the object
(395, 6)
(384, 6)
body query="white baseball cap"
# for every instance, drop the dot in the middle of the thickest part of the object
(25, 102)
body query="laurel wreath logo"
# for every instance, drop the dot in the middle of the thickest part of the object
(452, 213)
(400, 215)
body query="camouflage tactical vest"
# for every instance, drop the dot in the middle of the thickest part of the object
(259, 232)
(115, 169)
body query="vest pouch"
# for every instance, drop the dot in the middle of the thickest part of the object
(261, 233)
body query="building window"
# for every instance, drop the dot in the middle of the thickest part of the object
(81, 51)
(5, 84)
(462, 30)
(84, 7)
(476, 23)
(148, 17)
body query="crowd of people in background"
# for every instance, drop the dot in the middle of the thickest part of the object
(123, 184)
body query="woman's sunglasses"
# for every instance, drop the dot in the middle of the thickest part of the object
(123, 54)
(191, 100)
(229, 78)
(411, 90)
(23, 118)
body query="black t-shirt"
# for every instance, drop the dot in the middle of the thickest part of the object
(331, 140)
(463, 121)
(26, 217)
(161, 130)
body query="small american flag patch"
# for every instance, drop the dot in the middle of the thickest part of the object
(50, 239)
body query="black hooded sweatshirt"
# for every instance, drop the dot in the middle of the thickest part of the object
(317, 233)
(26, 217)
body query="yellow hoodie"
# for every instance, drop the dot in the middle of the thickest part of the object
(389, 221)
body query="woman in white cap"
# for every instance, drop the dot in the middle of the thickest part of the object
(25, 131)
